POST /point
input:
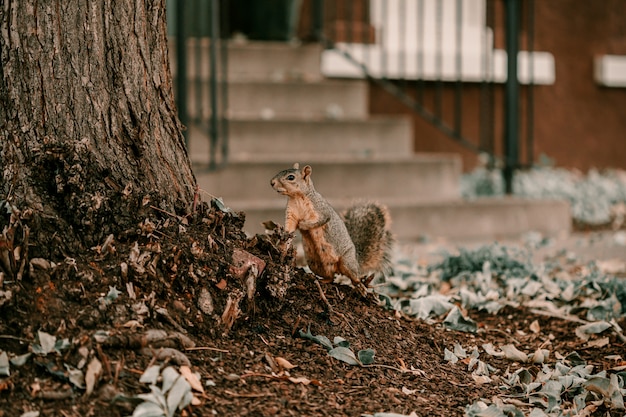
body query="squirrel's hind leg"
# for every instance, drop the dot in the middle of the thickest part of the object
(350, 268)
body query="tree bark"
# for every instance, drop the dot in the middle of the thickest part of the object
(88, 124)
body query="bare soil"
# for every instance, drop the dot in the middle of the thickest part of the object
(168, 264)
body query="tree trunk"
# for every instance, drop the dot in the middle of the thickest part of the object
(87, 120)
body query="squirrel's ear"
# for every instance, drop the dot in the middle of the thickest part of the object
(306, 172)
(296, 166)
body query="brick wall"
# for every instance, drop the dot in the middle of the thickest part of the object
(577, 123)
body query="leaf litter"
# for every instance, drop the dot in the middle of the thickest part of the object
(490, 279)
(141, 322)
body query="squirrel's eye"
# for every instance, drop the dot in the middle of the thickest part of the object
(291, 177)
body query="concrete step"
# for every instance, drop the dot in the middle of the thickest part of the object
(456, 220)
(276, 61)
(268, 61)
(424, 176)
(374, 136)
(334, 99)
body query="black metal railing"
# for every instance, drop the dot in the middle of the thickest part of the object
(199, 28)
(427, 53)
(417, 50)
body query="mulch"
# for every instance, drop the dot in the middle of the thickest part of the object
(176, 275)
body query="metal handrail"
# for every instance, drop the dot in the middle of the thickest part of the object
(212, 120)
(411, 91)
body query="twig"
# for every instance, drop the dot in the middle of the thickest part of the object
(119, 365)
(393, 368)
(24, 254)
(514, 340)
(617, 331)
(166, 212)
(206, 192)
(167, 316)
(251, 395)
(330, 308)
(268, 376)
(6, 336)
(207, 348)
(568, 317)
(575, 319)
(56, 395)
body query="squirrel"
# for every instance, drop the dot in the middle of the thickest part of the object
(357, 247)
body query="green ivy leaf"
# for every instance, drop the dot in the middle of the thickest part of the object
(345, 355)
(322, 340)
(340, 341)
(366, 356)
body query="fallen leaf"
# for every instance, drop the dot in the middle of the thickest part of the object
(4, 364)
(345, 355)
(481, 379)
(514, 354)
(366, 356)
(595, 327)
(191, 377)
(598, 343)
(490, 350)
(321, 339)
(284, 363)
(448, 356)
(46, 343)
(534, 327)
(300, 380)
(242, 261)
(91, 376)
(150, 375)
(539, 356)
(456, 321)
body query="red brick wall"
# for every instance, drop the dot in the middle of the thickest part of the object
(576, 122)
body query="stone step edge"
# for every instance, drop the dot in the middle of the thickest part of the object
(317, 160)
(525, 208)
(407, 202)
(371, 118)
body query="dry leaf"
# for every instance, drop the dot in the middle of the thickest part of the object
(242, 261)
(598, 343)
(271, 362)
(91, 376)
(300, 380)
(540, 356)
(407, 391)
(481, 379)
(284, 363)
(514, 354)
(191, 378)
(534, 327)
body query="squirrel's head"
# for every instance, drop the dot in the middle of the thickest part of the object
(293, 181)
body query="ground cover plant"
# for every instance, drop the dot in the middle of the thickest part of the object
(189, 316)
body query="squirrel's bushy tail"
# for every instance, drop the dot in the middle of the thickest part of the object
(368, 225)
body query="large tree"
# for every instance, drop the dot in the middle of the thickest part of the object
(88, 124)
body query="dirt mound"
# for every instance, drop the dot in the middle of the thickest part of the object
(250, 333)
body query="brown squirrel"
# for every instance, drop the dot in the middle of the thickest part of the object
(357, 247)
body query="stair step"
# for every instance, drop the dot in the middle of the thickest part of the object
(461, 220)
(434, 176)
(269, 61)
(336, 99)
(276, 61)
(375, 136)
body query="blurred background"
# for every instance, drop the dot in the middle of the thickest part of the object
(421, 104)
